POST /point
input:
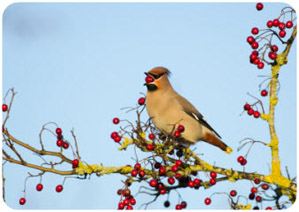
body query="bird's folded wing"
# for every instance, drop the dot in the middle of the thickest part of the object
(193, 112)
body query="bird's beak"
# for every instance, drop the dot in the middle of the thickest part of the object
(146, 73)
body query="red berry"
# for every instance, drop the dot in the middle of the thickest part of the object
(246, 106)
(141, 173)
(241, 159)
(134, 172)
(258, 198)
(268, 208)
(149, 79)
(274, 48)
(4, 107)
(39, 187)
(126, 202)
(178, 207)
(59, 143)
(272, 55)
(259, 6)
(150, 147)
(257, 181)
(233, 193)
(157, 165)
(281, 26)
(275, 22)
(171, 152)
(194, 173)
(250, 39)
(282, 33)
(253, 56)
(254, 45)
(160, 186)
(191, 184)
(151, 136)
(184, 204)
(181, 128)
(162, 170)
(115, 120)
(171, 180)
(166, 204)
(127, 192)
(59, 188)
(60, 137)
(177, 134)
(65, 145)
(121, 205)
(251, 196)
(253, 190)
(213, 174)
(178, 162)
(196, 181)
(58, 131)
(117, 138)
(255, 52)
(174, 168)
(75, 163)
(132, 201)
(256, 114)
(289, 24)
(260, 65)
(137, 166)
(208, 201)
(114, 134)
(264, 92)
(212, 181)
(250, 111)
(22, 201)
(255, 30)
(153, 183)
(269, 24)
(256, 61)
(141, 101)
(163, 191)
(129, 207)
(179, 153)
(178, 176)
(265, 186)
(244, 162)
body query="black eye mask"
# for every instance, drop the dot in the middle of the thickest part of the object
(156, 76)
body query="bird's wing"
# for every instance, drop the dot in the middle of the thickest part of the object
(191, 111)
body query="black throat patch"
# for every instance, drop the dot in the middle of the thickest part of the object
(151, 87)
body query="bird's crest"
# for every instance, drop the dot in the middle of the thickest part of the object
(159, 71)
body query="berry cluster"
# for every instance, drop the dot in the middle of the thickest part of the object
(257, 56)
(251, 111)
(242, 160)
(128, 201)
(256, 194)
(138, 171)
(60, 141)
(179, 131)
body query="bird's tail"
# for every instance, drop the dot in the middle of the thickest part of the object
(212, 139)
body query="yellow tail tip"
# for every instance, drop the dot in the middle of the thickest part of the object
(228, 150)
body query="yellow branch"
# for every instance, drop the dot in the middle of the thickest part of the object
(276, 177)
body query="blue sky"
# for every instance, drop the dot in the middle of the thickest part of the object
(78, 64)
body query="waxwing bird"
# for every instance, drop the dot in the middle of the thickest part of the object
(167, 109)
